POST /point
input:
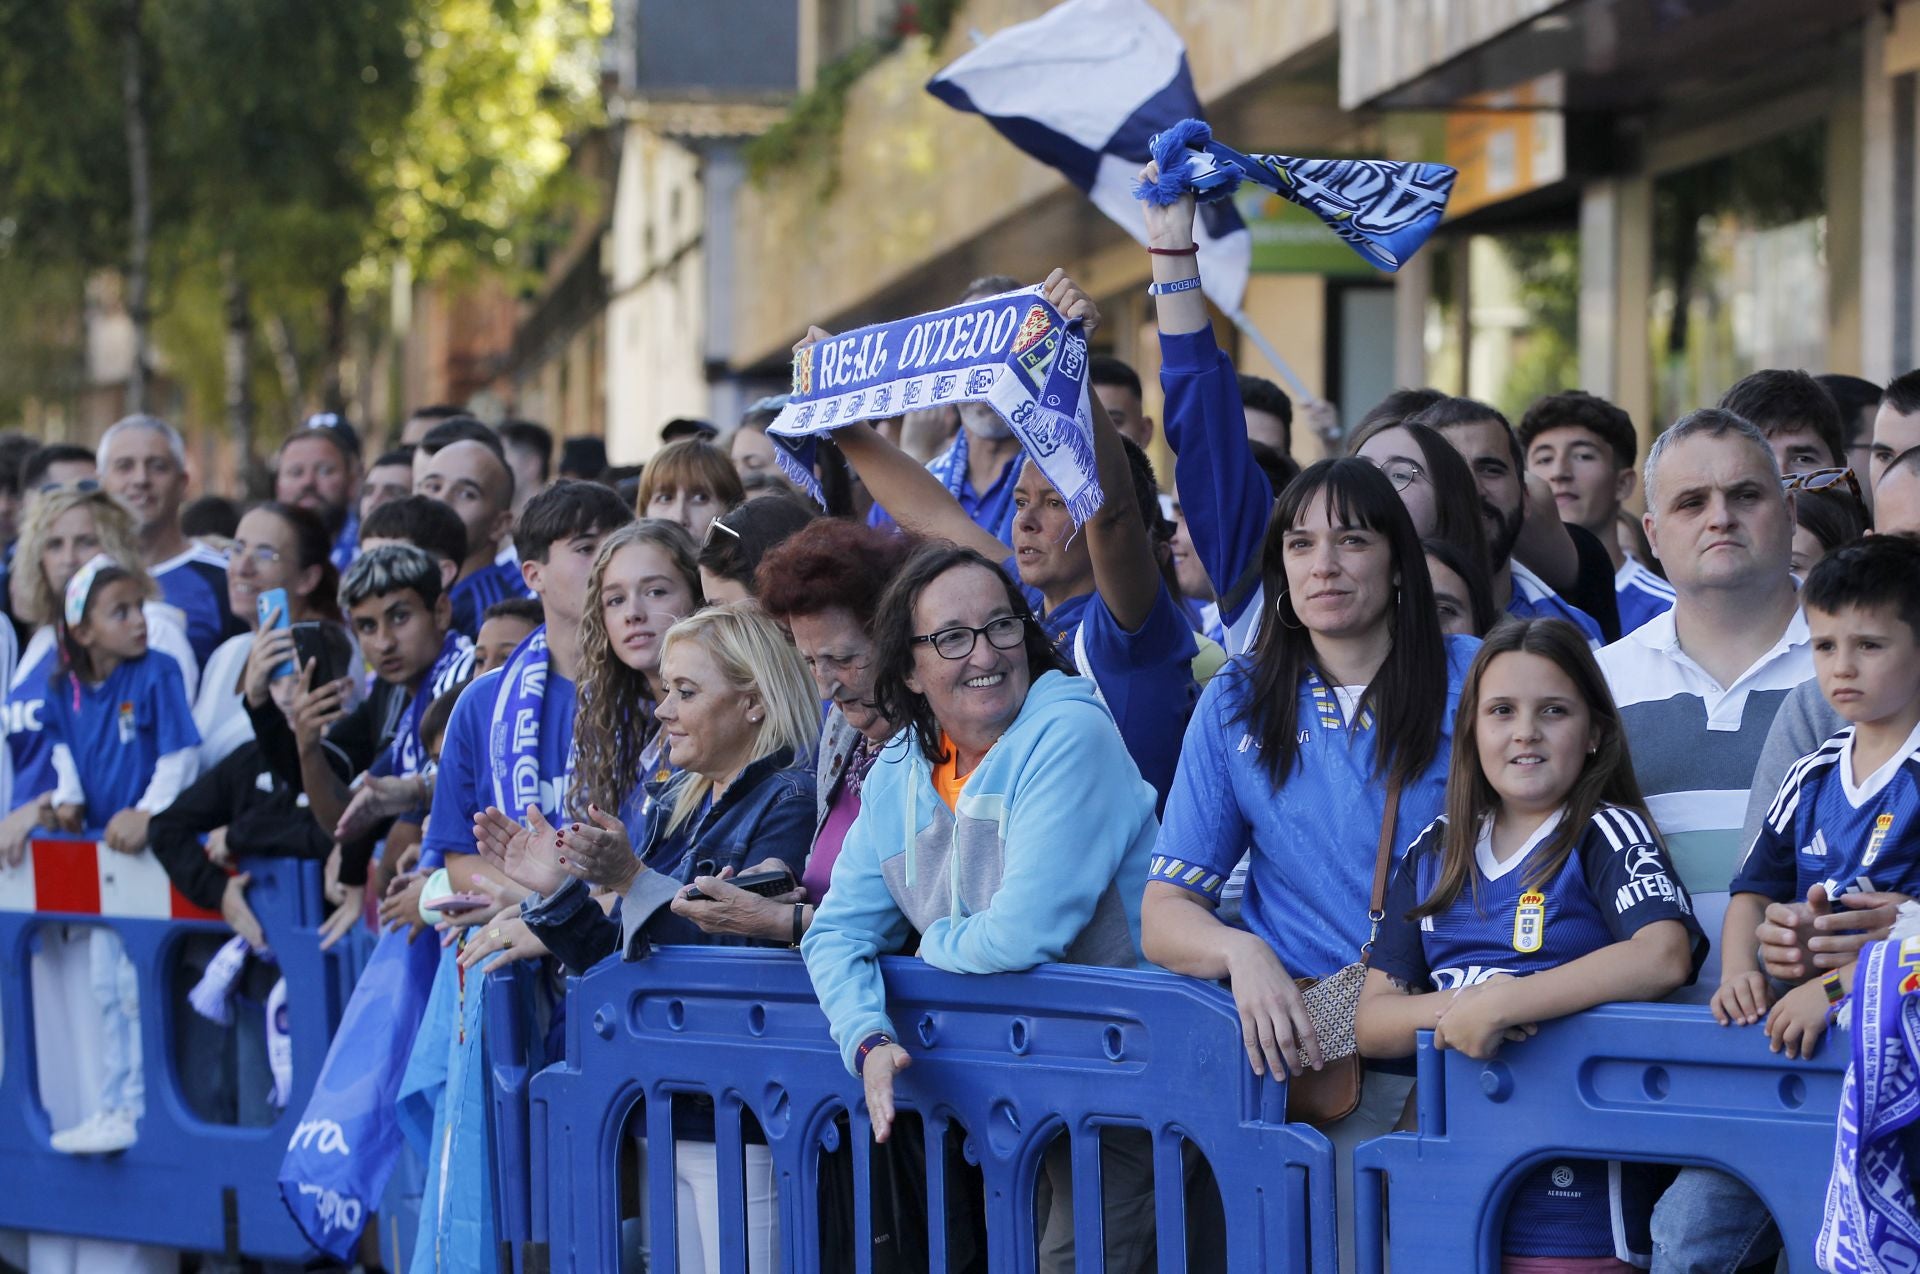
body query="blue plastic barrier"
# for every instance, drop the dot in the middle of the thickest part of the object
(510, 1052)
(186, 1183)
(1656, 1082)
(1014, 1059)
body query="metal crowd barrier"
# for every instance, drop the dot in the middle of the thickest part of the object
(1012, 1059)
(1662, 1083)
(510, 1050)
(186, 1183)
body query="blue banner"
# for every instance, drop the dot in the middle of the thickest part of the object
(1381, 208)
(1014, 352)
(345, 1145)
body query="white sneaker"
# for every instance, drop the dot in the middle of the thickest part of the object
(105, 1132)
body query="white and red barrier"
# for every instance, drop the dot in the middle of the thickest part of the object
(85, 878)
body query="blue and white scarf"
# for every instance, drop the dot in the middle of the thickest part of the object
(513, 738)
(1383, 209)
(1014, 352)
(406, 754)
(1871, 1223)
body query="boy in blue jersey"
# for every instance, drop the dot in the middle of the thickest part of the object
(1544, 891)
(475, 481)
(1847, 815)
(124, 745)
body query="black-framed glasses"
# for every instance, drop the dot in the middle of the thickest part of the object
(82, 485)
(957, 642)
(1822, 480)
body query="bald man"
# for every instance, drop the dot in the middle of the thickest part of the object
(474, 481)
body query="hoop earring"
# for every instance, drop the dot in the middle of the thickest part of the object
(1280, 613)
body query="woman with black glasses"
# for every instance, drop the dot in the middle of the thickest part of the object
(1007, 826)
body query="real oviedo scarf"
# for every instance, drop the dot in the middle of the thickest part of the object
(1014, 352)
(513, 736)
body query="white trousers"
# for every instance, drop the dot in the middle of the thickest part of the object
(696, 1193)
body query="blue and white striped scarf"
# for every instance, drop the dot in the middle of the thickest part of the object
(1014, 352)
(1871, 1222)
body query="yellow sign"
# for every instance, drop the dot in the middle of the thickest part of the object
(1506, 143)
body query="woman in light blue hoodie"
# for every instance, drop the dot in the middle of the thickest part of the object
(1005, 759)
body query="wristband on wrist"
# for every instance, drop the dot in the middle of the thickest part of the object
(1192, 249)
(879, 1039)
(799, 922)
(1835, 989)
(1177, 285)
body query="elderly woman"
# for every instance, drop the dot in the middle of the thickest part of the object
(1006, 758)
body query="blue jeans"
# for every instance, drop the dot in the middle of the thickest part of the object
(1710, 1223)
(116, 994)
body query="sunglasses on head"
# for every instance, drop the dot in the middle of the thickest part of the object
(713, 526)
(83, 485)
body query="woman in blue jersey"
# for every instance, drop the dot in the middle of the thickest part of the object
(1543, 890)
(1289, 758)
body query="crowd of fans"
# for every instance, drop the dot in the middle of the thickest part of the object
(1434, 734)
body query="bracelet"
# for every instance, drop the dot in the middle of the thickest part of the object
(1188, 251)
(799, 927)
(1178, 285)
(1831, 984)
(879, 1039)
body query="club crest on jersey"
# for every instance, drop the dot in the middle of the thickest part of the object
(1530, 922)
(127, 728)
(1881, 826)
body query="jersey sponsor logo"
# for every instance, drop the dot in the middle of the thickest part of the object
(1646, 878)
(23, 717)
(1530, 922)
(127, 730)
(1881, 826)
(1472, 975)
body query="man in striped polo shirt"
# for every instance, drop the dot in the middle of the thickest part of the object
(1698, 686)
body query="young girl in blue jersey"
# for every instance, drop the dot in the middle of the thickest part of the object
(1543, 890)
(124, 746)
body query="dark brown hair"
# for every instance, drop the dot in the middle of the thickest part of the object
(1606, 779)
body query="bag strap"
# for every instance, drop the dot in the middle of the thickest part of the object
(1382, 863)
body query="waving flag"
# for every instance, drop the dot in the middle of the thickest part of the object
(1084, 89)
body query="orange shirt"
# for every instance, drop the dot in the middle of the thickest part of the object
(947, 780)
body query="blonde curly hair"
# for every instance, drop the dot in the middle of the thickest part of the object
(34, 599)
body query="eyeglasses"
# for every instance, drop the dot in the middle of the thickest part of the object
(83, 486)
(957, 642)
(1821, 480)
(1402, 473)
(716, 525)
(262, 554)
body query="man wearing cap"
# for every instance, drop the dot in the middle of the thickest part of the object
(143, 465)
(318, 468)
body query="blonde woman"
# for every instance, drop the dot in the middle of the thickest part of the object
(65, 528)
(740, 717)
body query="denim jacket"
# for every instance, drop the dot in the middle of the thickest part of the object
(768, 812)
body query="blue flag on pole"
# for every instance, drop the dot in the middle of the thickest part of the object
(1083, 89)
(344, 1147)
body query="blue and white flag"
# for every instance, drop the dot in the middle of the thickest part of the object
(1382, 208)
(1872, 1222)
(344, 1148)
(1084, 88)
(1014, 352)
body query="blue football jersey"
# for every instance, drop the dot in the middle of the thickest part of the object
(195, 583)
(1616, 879)
(1823, 828)
(118, 730)
(472, 595)
(26, 720)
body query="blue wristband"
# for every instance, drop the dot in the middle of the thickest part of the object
(1178, 285)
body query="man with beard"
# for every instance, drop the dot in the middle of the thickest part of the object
(1486, 441)
(318, 468)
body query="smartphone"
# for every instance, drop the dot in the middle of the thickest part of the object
(457, 904)
(326, 647)
(767, 884)
(275, 599)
